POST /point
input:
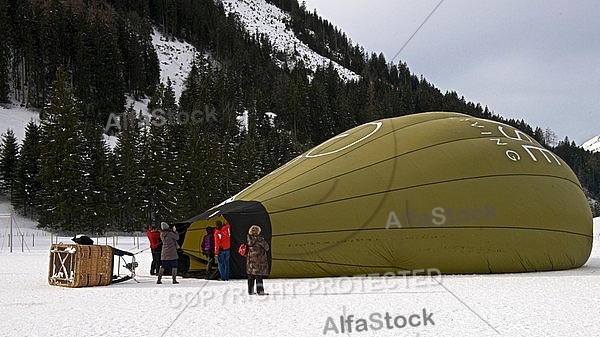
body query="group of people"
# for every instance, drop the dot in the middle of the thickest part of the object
(163, 245)
(217, 243)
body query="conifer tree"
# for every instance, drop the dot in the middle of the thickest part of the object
(99, 195)
(129, 173)
(4, 42)
(321, 121)
(197, 170)
(162, 178)
(9, 151)
(187, 101)
(60, 170)
(74, 174)
(26, 189)
(109, 93)
(201, 160)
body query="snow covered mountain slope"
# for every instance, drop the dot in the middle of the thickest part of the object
(592, 145)
(264, 18)
(175, 59)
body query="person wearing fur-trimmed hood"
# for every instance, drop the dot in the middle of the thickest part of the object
(257, 262)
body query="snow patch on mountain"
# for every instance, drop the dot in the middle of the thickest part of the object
(260, 17)
(175, 58)
(242, 119)
(592, 145)
(16, 117)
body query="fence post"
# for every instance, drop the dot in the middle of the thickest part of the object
(10, 239)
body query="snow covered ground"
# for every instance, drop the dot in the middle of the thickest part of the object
(562, 303)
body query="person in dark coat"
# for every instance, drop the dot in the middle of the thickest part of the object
(257, 262)
(153, 235)
(208, 249)
(168, 254)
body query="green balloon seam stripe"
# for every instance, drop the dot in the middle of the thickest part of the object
(429, 228)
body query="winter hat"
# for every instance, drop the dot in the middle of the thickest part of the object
(254, 230)
(164, 226)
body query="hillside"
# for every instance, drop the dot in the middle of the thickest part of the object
(201, 101)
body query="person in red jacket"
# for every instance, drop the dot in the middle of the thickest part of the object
(222, 245)
(155, 246)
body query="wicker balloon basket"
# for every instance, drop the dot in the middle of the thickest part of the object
(75, 266)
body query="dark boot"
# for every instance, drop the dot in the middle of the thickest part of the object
(160, 274)
(251, 285)
(259, 286)
(174, 273)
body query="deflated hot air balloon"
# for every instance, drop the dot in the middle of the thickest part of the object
(432, 190)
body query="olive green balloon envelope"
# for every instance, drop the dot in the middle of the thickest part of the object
(432, 190)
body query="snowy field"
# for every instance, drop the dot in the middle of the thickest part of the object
(563, 303)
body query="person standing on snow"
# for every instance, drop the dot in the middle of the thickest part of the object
(168, 254)
(222, 245)
(257, 261)
(208, 249)
(153, 235)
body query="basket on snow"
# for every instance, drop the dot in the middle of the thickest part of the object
(87, 265)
